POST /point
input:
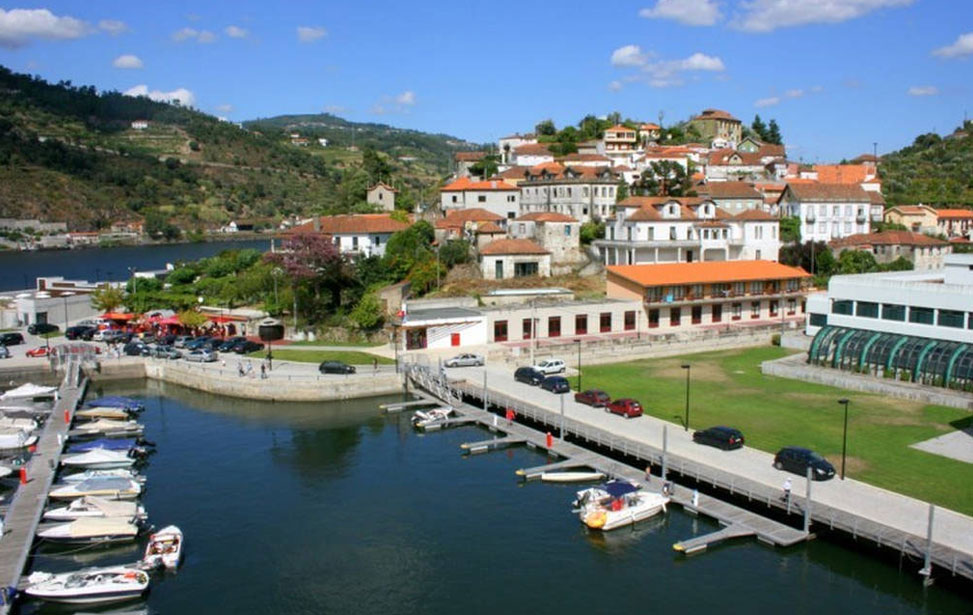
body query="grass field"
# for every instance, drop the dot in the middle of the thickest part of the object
(352, 357)
(727, 388)
(323, 343)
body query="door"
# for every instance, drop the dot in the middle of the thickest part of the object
(454, 339)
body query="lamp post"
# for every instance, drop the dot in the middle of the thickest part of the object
(844, 438)
(578, 342)
(135, 280)
(688, 369)
(65, 297)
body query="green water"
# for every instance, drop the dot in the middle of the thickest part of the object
(337, 508)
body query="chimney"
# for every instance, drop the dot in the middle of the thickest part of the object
(317, 224)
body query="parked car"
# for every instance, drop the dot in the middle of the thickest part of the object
(4, 352)
(556, 384)
(464, 360)
(550, 366)
(726, 438)
(147, 338)
(528, 375)
(230, 343)
(593, 397)
(135, 348)
(78, 332)
(198, 342)
(162, 351)
(247, 346)
(796, 459)
(40, 351)
(40, 328)
(336, 367)
(201, 356)
(168, 339)
(182, 340)
(112, 335)
(627, 407)
(11, 338)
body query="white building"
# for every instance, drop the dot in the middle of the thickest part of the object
(507, 145)
(514, 258)
(381, 195)
(531, 154)
(827, 211)
(620, 144)
(733, 197)
(492, 195)
(355, 234)
(580, 192)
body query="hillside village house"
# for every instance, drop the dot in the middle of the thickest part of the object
(531, 154)
(954, 222)
(686, 229)
(620, 144)
(649, 133)
(557, 233)
(514, 258)
(465, 160)
(496, 196)
(923, 251)
(916, 218)
(827, 211)
(730, 165)
(355, 234)
(507, 145)
(580, 192)
(718, 126)
(476, 225)
(381, 195)
(733, 197)
(686, 295)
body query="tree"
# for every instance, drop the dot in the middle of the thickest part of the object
(592, 230)
(377, 168)
(192, 319)
(856, 261)
(107, 298)
(899, 264)
(546, 128)
(622, 192)
(663, 178)
(367, 314)
(773, 133)
(790, 229)
(454, 252)
(485, 167)
(313, 261)
(759, 128)
(408, 247)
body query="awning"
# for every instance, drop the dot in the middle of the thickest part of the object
(117, 316)
(172, 320)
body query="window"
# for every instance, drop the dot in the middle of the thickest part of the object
(500, 331)
(866, 309)
(674, 316)
(653, 319)
(818, 320)
(554, 326)
(772, 305)
(754, 309)
(791, 307)
(511, 198)
(481, 198)
(377, 241)
(630, 320)
(654, 293)
(527, 329)
(498, 269)
(736, 309)
(523, 270)
(842, 306)
(567, 230)
(739, 288)
(717, 312)
(891, 311)
(793, 284)
(606, 322)
(697, 314)
(922, 316)
(951, 318)
(672, 233)
(523, 228)
(720, 290)
(580, 324)
(455, 199)
(756, 288)
(354, 243)
(696, 290)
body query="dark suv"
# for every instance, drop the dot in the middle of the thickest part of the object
(11, 339)
(796, 459)
(40, 328)
(528, 375)
(336, 367)
(725, 438)
(556, 384)
(80, 332)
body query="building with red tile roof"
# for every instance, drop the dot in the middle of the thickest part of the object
(494, 195)
(954, 222)
(514, 258)
(355, 234)
(916, 218)
(827, 211)
(923, 251)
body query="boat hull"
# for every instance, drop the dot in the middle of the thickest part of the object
(571, 477)
(94, 598)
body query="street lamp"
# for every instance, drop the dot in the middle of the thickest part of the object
(135, 280)
(844, 438)
(578, 342)
(687, 367)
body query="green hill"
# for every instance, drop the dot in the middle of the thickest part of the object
(933, 170)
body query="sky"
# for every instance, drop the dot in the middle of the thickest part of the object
(837, 75)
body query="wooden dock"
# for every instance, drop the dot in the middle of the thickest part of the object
(24, 513)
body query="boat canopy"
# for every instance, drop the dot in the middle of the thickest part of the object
(619, 488)
(110, 508)
(98, 526)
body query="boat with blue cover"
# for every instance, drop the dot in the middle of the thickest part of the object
(617, 503)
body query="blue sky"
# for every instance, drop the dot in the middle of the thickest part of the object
(837, 75)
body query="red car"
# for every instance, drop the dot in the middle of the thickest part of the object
(593, 397)
(629, 408)
(40, 351)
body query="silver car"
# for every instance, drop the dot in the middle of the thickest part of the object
(464, 360)
(201, 356)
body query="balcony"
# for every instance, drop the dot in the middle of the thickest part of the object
(690, 298)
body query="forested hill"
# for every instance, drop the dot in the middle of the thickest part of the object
(933, 170)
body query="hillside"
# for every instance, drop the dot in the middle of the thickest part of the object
(933, 170)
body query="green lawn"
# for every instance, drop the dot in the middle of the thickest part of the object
(51, 334)
(352, 357)
(323, 343)
(727, 388)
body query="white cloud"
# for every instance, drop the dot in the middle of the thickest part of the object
(113, 26)
(224, 108)
(127, 61)
(687, 12)
(768, 15)
(19, 26)
(200, 36)
(770, 101)
(962, 47)
(181, 95)
(236, 32)
(615, 86)
(400, 103)
(700, 61)
(406, 98)
(309, 34)
(923, 90)
(661, 73)
(795, 93)
(629, 55)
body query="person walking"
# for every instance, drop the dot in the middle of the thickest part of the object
(263, 371)
(375, 364)
(787, 490)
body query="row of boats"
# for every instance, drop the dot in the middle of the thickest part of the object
(607, 506)
(96, 502)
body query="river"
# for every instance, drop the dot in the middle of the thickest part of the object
(337, 508)
(18, 270)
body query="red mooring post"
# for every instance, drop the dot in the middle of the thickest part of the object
(550, 440)
(67, 415)
(23, 475)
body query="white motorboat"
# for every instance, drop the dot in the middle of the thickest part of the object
(164, 549)
(29, 391)
(95, 507)
(111, 487)
(82, 531)
(5, 471)
(77, 477)
(88, 586)
(108, 426)
(23, 424)
(424, 418)
(12, 439)
(616, 504)
(98, 459)
(115, 414)
(571, 477)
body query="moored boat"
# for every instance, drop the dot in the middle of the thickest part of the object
(92, 530)
(98, 459)
(116, 414)
(77, 477)
(114, 401)
(424, 418)
(88, 507)
(29, 391)
(111, 487)
(164, 549)
(616, 504)
(21, 423)
(88, 586)
(12, 439)
(106, 427)
(571, 477)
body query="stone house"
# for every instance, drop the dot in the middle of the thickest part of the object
(476, 225)
(514, 258)
(381, 195)
(465, 160)
(559, 234)
(924, 251)
(954, 222)
(916, 218)
(718, 125)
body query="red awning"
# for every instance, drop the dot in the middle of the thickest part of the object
(172, 320)
(225, 319)
(117, 316)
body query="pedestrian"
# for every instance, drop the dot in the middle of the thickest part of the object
(787, 489)
(239, 367)
(375, 364)
(263, 371)
(510, 416)
(249, 367)
(270, 362)
(648, 472)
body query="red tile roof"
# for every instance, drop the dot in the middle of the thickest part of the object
(649, 126)
(715, 114)
(729, 190)
(887, 238)
(469, 156)
(641, 201)
(351, 224)
(842, 173)
(383, 185)
(585, 158)
(514, 172)
(821, 191)
(512, 246)
(756, 215)
(545, 216)
(712, 272)
(914, 210)
(721, 157)
(532, 149)
(465, 183)
(955, 214)
(488, 228)
(459, 217)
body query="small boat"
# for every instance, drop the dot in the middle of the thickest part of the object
(5, 471)
(571, 477)
(98, 459)
(91, 506)
(88, 586)
(109, 444)
(28, 392)
(107, 427)
(15, 439)
(77, 477)
(616, 504)
(21, 423)
(93, 530)
(21, 409)
(424, 418)
(112, 487)
(116, 414)
(113, 401)
(164, 549)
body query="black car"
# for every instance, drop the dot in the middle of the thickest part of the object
(529, 375)
(726, 438)
(230, 343)
(40, 328)
(247, 346)
(796, 459)
(556, 384)
(136, 349)
(78, 332)
(336, 367)
(199, 342)
(11, 339)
